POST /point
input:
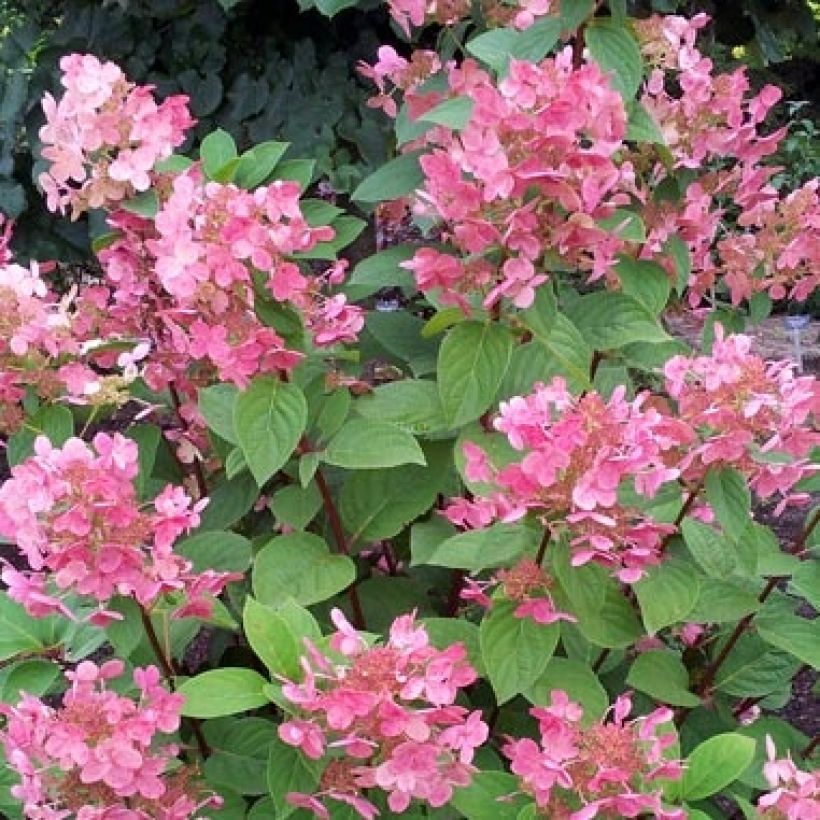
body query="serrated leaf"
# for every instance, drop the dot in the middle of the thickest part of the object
(269, 419)
(472, 361)
(225, 691)
(730, 498)
(616, 50)
(273, 639)
(476, 550)
(454, 113)
(412, 404)
(667, 594)
(290, 771)
(515, 651)
(216, 550)
(216, 151)
(363, 444)
(714, 764)
(239, 753)
(660, 674)
(608, 321)
(258, 163)
(709, 548)
(300, 566)
(216, 403)
(399, 177)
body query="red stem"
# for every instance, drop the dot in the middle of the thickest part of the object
(341, 543)
(169, 673)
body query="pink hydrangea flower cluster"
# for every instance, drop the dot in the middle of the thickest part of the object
(795, 793)
(713, 121)
(576, 454)
(73, 513)
(545, 160)
(389, 711)
(104, 136)
(416, 13)
(732, 409)
(533, 170)
(526, 584)
(188, 276)
(97, 755)
(743, 410)
(47, 343)
(612, 767)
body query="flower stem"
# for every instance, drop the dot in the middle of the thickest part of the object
(169, 673)
(341, 544)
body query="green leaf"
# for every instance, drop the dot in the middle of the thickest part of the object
(54, 421)
(394, 179)
(615, 626)
(216, 403)
(610, 320)
(476, 550)
(290, 771)
(399, 333)
(216, 550)
(454, 113)
(228, 502)
(577, 680)
(299, 170)
(615, 49)
(642, 126)
(497, 47)
(625, 224)
(300, 566)
(678, 251)
(258, 163)
(489, 796)
(721, 602)
(730, 498)
(216, 151)
(330, 8)
(19, 631)
(381, 270)
(378, 504)
(575, 12)
(412, 404)
(472, 361)
(219, 692)
(362, 444)
(515, 651)
(145, 204)
(273, 639)
(296, 506)
(791, 633)
(709, 548)
(148, 438)
(714, 764)
(753, 669)
(806, 581)
(239, 753)
(667, 594)
(646, 282)
(563, 351)
(269, 419)
(660, 674)
(493, 47)
(34, 677)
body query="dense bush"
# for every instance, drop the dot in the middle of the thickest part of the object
(460, 531)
